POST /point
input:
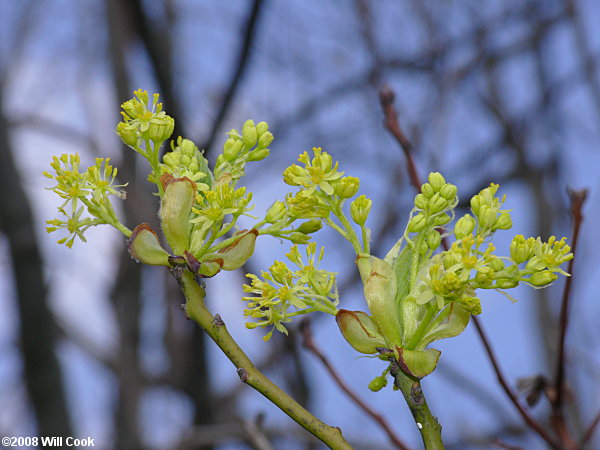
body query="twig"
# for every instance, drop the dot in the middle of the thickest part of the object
(590, 431)
(509, 392)
(240, 69)
(577, 199)
(309, 344)
(196, 310)
(386, 97)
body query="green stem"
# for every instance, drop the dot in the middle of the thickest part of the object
(350, 233)
(423, 327)
(430, 429)
(249, 374)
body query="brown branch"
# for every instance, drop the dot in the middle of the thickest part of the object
(509, 392)
(577, 199)
(240, 69)
(386, 97)
(584, 49)
(590, 431)
(309, 344)
(41, 370)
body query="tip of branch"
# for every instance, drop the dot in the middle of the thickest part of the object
(577, 198)
(386, 95)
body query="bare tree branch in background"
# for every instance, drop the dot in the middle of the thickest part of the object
(248, 37)
(37, 333)
(38, 337)
(309, 344)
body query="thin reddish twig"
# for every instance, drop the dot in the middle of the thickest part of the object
(309, 344)
(577, 199)
(590, 431)
(386, 98)
(509, 392)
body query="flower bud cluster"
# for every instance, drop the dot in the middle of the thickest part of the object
(284, 292)
(82, 191)
(143, 124)
(434, 208)
(252, 144)
(486, 208)
(542, 259)
(185, 160)
(323, 191)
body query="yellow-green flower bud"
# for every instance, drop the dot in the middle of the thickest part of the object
(427, 190)
(276, 212)
(421, 201)
(249, 134)
(434, 239)
(503, 222)
(187, 147)
(258, 154)
(360, 330)
(496, 264)
(144, 246)
(506, 283)
(265, 139)
(417, 223)
(436, 204)
(262, 128)
(310, 226)
(299, 238)
(378, 383)
(471, 304)
(543, 278)
(175, 211)
(448, 191)
(128, 134)
(161, 129)
(476, 202)
(360, 209)
(521, 248)
(346, 187)
(293, 174)
(436, 180)
(484, 277)
(464, 226)
(441, 219)
(487, 216)
(280, 272)
(232, 148)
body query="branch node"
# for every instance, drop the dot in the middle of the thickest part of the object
(217, 321)
(243, 374)
(184, 309)
(416, 394)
